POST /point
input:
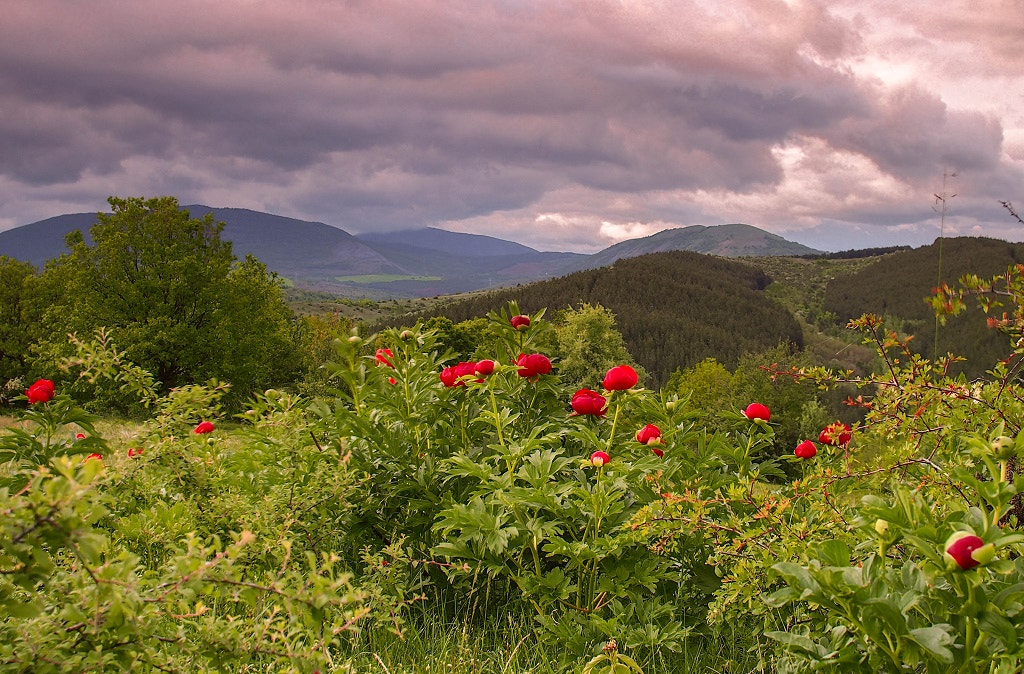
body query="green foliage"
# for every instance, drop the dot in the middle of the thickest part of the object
(673, 309)
(710, 390)
(897, 285)
(15, 334)
(169, 290)
(268, 547)
(588, 345)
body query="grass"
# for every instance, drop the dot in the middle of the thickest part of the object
(435, 641)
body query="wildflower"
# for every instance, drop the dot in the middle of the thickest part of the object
(757, 412)
(40, 392)
(520, 322)
(806, 450)
(587, 402)
(620, 378)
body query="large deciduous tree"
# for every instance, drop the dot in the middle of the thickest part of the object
(173, 296)
(15, 336)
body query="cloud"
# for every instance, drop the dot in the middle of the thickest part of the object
(617, 116)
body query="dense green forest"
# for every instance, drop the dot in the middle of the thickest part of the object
(896, 287)
(673, 309)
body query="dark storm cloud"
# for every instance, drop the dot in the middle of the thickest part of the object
(491, 114)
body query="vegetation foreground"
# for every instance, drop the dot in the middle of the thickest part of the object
(480, 516)
(498, 495)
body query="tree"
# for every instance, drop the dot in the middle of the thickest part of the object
(588, 345)
(15, 336)
(172, 295)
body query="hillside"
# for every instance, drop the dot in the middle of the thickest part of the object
(896, 285)
(674, 309)
(735, 240)
(422, 262)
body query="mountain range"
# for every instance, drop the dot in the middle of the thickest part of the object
(412, 263)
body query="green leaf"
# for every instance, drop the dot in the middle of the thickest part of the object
(935, 640)
(794, 641)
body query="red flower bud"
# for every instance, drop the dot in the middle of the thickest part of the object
(79, 436)
(649, 435)
(589, 402)
(485, 367)
(966, 551)
(757, 412)
(204, 427)
(132, 452)
(519, 322)
(658, 452)
(836, 433)
(620, 378)
(532, 365)
(600, 458)
(40, 392)
(92, 456)
(385, 357)
(806, 450)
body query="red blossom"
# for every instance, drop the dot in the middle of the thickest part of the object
(385, 357)
(452, 375)
(837, 433)
(520, 322)
(485, 367)
(40, 392)
(533, 364)
(589, 402)
(600, 458)
(203, 427)
(620, 378)
(806, 450)
(92, 456)
(132, 452)
(757, 412)
(649, 435)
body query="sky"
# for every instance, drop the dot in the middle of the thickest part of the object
(559, 124)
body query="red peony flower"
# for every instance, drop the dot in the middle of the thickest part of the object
(757, 412)
(485, 367)
(79, 436)
(392, 381)
(385, 357)
(620, 378)
(132, 452)
(204, 427)
(806, 450)
(967, 551)
(533, 364)
(649, 435)
(519, 322)
(658, 452)
(589, 402)
(92, 456)
(600, 458)
(836, 433)
(452, 375)
(40, 392)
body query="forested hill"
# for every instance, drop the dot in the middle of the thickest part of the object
(673, 309)
(896, 287)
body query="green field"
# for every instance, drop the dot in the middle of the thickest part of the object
(383, 278)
